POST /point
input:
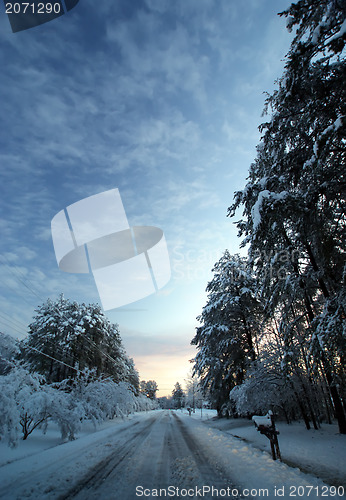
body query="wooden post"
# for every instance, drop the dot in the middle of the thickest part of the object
(266, 425)
(272, 448)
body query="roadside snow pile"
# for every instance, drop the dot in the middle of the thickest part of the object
(251, 468)
(321, 453)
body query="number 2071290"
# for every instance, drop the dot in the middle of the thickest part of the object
(32, 8)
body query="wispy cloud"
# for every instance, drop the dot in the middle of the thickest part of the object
(160, 99)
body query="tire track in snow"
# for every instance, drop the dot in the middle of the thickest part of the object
(159, 455)
(210, 473)
(154, 453)
(30, 484)
(95, 478)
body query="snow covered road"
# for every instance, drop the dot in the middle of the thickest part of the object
(126, 461)
(161, 450)
(159, 453)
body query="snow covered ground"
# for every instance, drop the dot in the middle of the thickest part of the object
(322, 452)
(319, 453)
(170, 451)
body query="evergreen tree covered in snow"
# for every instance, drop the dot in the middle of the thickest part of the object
(294, 201)
(66, 337)
(178, 395)
(149, 388)
(231, 318)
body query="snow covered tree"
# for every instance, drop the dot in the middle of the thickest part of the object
(24, 404)
(66, 337)
(294, 201)
(149, 388)
(8, 352)
(194, 395)
(164, 402)
(278, 381)
(226, 339)
(178, 395)
(132, 376)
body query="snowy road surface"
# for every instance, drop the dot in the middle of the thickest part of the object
(159, 453)
(148, 453)
(162, 450)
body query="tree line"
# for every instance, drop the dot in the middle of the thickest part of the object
(272, 333)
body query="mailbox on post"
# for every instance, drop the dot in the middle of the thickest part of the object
(266, 425)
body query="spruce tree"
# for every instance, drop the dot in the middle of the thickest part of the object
(226, 339)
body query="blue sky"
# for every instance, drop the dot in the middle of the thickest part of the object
(158, 98)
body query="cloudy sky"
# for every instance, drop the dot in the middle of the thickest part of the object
(158, 98)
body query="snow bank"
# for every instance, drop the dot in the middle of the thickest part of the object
(321, 453)
(252, 468)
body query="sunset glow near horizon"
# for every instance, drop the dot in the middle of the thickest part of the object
(161, 100)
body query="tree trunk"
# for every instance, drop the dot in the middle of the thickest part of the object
(338, 407)
(302, 409)
(315, 267)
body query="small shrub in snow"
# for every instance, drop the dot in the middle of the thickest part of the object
(24, 404)
(34, 411)
(68, 413)
(27, 402)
